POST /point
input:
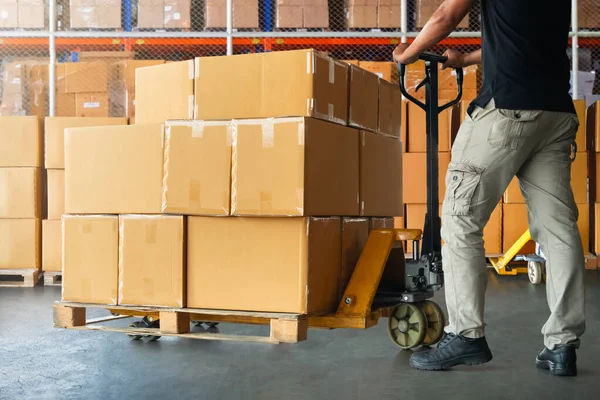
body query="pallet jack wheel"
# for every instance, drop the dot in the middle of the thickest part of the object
(535, 271)
(145, 323)
(407, 325)
(435, 322)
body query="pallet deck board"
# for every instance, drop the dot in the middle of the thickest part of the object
(30, 277)
(52, 278)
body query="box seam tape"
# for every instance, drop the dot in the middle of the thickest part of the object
(268, 134)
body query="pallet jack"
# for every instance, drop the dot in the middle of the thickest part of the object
(383, 284)
(536, 262)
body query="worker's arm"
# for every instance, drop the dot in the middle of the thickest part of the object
(445, 19)
(459, 60)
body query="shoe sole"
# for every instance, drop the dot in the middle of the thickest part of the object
(556, 369)
(474, 359)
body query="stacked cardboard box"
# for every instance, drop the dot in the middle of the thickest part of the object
(424, 9)
(55, 170)
(82, 89)
(245, 14)
(104, 14)
(21, 186)
(164, 14)
(296, 14)
(32, 14)
(151, 191)
(126, 72)
(593, 130)
(9, 11)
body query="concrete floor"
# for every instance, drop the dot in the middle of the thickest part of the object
(40, 362)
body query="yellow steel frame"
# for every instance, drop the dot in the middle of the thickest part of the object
(502, 262)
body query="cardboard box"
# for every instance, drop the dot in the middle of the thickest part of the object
(404, 124)
(95, 14)
(197, 168)
(583, 223)
(492, 233)
(32, 15)
(289, 13)
(414, 177)
(380, 175)
(596, 228)
(514, 224)
(90, 258)
(114, 169)
(313, 85)
(65, 105)
(381, 222)
(390, 109)
(264, 264)
(355, 232)
(177, 14)
(580, 138)
(21, 139)
(55, 135)
(245, 14)
(14, 77)
(20, 243)
(84, 77)
(363, 103)
(91, 105)
(385, 70)
(164, 92)
(593, 126)
(294, 167)
(56, 193)
(152, 260)
(127, 69)
(9, 15)
(20, 193)
(388, 14)
(151, 14)
(52, 245)
(579, 183)
(416, 119)
(38, 90)
(424, 9)
(415, 216)
(362, 13)
(316, 14)
(13, 104)
(399, 223)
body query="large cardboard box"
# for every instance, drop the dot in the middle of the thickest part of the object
(165, 92)
(92, 105)
(90, 258)
(362, 13)
(316, 14)
(424, 9)
(312, 84)
(20, 193)
(294, 167)
(82, 77)
(390, 109)
(380, 175)
(9, 14)
(21, 139)
(355, 232)
(52, 245)
(244, 13)
(579, 182)
(95, 14)
(197, 168)
(114, 169)
(20, 243)
(264, 264)
(289, 14)
(177, 14)
(416, 142)
(388, 14)
(151, 14)
(127, 69)
(363, 107)
(414, 177)
(55, 135)
(580, 138)
(56, 193)
(381, 223)
(152, 260)
(385, 70)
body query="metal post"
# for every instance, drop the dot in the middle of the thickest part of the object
(229, 28)
(52, 61)
(575, 49)
(403, 20)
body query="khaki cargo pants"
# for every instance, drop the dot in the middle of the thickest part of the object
(493, 145)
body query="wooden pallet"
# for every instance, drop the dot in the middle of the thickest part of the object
(20, 277)
(52, 278)
(284, 328)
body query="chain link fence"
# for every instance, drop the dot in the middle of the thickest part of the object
(98, 43)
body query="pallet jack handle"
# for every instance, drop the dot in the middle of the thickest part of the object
(432, 240)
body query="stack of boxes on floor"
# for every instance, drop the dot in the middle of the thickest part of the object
(262, 202)
(21, 187)
(55, 170)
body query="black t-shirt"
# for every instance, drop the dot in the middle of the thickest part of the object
(524, 55)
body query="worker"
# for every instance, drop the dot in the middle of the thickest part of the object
(522, 123)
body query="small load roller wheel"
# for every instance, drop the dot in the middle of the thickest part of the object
(435, 322)
(146, 322)
(407, 325)
(535, 271)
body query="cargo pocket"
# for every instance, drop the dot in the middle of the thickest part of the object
(511, 128)
(461, 181)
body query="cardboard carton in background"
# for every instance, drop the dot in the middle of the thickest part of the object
(56, 193)
(362, 14)
(245, 14)
(424, 9)
(92, 105)
(289, 13)
(414, 177)
(52, 245)
(177, 14)
(20, 243)
(32, 14)
(388, 13)
(9, 11)
(21, 142)
(151, 14)
(316, 14)
(21, 190)
(385, 70)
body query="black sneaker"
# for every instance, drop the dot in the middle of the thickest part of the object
(451, 351)
(561, 361)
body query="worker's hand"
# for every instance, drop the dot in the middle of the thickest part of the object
(455, 59)
(401, 55)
